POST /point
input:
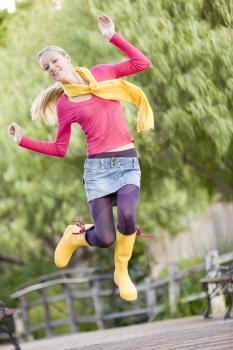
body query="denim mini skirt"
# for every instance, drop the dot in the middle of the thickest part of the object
(105, 176)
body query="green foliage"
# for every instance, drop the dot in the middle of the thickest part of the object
(4, 20)
(12, 279)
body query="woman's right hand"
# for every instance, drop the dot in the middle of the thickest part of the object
(106, 26)
(15, 131)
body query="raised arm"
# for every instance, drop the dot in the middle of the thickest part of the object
(136, 62)
(56, 148)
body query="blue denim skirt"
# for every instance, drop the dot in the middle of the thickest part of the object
(105, 176)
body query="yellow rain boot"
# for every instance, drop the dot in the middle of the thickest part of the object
(123, 253)
(70, 241)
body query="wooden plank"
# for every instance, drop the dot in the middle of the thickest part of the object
(193, 297)
(97, 304)
(67, 273)
(150, 298)
(63, 321)
(49, 284)
(218, 279)
(58, 281)
(173, 288)
(44, 302)
(78, 294)
(71, 307)
(25, 317)
(156, 283)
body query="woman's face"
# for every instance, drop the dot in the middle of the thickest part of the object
(55, 65)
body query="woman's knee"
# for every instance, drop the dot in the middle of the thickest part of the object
(126, 222)
(127, 214)
(106, 239)
(106, 242)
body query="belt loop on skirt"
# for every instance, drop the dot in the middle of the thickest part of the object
(113, 162)
(102, 163)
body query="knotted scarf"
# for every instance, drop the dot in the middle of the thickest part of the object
(115, 89)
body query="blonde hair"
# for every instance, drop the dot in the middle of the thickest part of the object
(44, 105)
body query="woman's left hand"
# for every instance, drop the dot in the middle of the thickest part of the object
(106, 26)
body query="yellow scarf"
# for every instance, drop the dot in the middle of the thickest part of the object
(115, 89)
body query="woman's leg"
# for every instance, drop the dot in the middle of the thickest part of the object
(127, 199)
(103, 234)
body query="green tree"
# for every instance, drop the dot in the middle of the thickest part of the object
(186, 162)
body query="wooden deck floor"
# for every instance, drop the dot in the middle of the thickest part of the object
(192, 333)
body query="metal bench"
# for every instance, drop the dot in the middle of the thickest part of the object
(6, 315)
(220, 284)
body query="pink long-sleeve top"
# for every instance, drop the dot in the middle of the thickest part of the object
(102, 121)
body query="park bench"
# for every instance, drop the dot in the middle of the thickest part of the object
(219, 282)
(6, 322)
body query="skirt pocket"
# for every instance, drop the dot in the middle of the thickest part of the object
(91, 173)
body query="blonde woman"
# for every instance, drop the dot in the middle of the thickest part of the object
(111, 171)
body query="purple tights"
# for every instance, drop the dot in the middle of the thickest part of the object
(103, 234)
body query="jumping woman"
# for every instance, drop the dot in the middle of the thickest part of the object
(112, 172)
